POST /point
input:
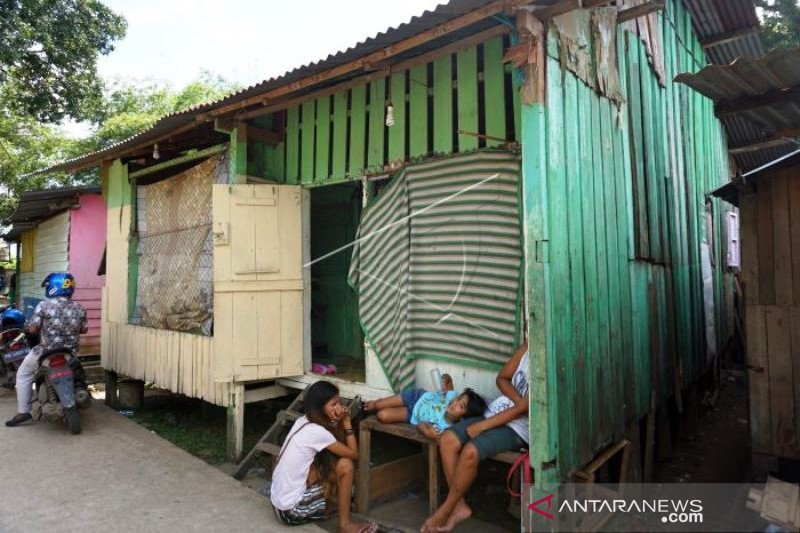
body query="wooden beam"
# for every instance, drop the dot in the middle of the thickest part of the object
(376, 57)
(771, 143)
(750, 103)
(640, 11)
(565, 6)
(255, 133)
(199, 154)
(729, 36)
(378, 74)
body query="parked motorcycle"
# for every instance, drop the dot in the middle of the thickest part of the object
(13, 349)
(60, 389)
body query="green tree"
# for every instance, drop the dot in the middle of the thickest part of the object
(126, 108)
(48, 56)
(780, 20)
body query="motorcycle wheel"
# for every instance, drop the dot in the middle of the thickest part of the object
(73, 419)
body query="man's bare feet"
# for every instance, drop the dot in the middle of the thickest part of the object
(459, 514)
(370, 406)
(358, 527)
(434, 522)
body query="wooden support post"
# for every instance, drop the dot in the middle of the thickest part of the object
(649, 440)
(690, 411)
(663, 434)
(362, 487)
(112, 379)
(633, 470)
(235, 434)
(433, 477)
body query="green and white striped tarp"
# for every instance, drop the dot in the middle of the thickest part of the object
(437, 264)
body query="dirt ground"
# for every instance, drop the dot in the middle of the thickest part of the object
(719, 450)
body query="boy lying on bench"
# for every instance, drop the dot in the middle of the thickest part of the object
(430, 412)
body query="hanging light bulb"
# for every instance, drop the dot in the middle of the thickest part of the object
(389, 116)
(156, 155)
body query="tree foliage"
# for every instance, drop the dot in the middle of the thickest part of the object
(780, 20)
(48, 56)
(126, 108)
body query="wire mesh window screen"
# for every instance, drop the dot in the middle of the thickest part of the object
(175, 253)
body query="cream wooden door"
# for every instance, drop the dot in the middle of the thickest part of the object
(258, 282)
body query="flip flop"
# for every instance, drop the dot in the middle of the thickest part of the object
(372, 527)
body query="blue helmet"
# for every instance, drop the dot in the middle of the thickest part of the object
(12, 318)
(59, 284)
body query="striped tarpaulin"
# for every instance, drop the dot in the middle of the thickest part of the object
(437, 264)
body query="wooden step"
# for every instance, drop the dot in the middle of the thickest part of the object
(268, 447)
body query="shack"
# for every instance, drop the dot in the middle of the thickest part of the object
(487, 170)
(768, 198)
(59, 230)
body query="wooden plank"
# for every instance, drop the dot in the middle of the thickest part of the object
(358, 131)
(397, 132)
(418, 111)
(795, 327)
(293, 145)
(363, 487)
(467, 92)
(443, 105)
(391, 478)
(432, 450)
(339, 169)
(650, 148)
(758, 378)
(766, 257)
(782, 239)
(783, 432)
(641, 221)
(748, 213)
(494, 91)
(323, 151)
(377, 121)
(307, 142)
(794, 228)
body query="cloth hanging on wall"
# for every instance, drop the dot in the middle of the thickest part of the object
(437, 264)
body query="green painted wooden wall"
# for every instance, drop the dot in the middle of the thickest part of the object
(343, 136)
(614, 201)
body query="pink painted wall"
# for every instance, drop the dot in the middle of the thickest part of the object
(87, 240)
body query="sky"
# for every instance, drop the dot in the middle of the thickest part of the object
(245, 41)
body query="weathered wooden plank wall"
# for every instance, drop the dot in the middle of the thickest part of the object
(770, 274)
(624, 206)
(343, 136)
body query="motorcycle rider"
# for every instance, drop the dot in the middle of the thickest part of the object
(59, 321)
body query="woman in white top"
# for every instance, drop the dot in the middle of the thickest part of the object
(316, 461)
(503, 427)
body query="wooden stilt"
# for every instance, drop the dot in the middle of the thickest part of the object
(433, 478)
(663, 434)
(649, 441)
(112, 379)
(364, 452)
(690, 410)
(235, 436)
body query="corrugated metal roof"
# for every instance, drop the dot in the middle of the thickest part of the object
(745, 77)
(711, 18)
(36, 206)
(427, 20)
(730, 191)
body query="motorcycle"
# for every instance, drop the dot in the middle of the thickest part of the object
(14, 347)
(60, 390)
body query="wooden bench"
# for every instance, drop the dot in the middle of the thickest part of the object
(398, 473)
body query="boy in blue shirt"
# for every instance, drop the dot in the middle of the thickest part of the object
(430, 412)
